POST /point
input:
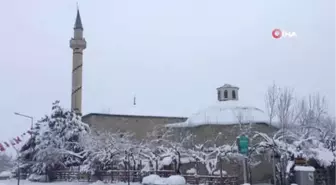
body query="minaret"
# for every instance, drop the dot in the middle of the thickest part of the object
(77, 44)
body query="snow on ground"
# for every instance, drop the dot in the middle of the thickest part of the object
(192, 171)
(218, 172)
(5, 174)
(172, 180)
(225, 113)
(151, 179)
(304, 168)
(26, 182)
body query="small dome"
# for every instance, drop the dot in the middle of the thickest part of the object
(226, 113)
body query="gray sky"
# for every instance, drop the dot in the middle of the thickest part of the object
(171, 54)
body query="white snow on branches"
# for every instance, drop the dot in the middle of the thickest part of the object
(56, 141)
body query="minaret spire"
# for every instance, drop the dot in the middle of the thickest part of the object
(77, 44)
(78, 23)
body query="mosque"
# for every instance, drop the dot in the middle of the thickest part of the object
(226, 116)
(226, 112)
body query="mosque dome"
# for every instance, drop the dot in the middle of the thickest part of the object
(227, 111)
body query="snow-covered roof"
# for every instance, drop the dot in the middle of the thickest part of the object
(133, 115)
(137, 111)
(225, 113)
(228, 86)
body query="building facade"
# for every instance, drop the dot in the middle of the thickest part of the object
(140, 125)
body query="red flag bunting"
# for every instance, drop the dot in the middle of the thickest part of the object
(17, 140)
(13, 142)
(2, 148)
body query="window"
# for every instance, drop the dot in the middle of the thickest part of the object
(218, 95)
(233, 94)
(225, 94)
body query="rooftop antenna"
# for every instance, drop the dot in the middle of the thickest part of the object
(77, 5)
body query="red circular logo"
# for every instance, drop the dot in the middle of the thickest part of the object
(276, 33)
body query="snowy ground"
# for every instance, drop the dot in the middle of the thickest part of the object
(26, 182)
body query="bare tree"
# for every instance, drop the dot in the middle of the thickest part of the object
(307, 119)
(244, 119)
(313, 110)
(271, 99)
(286, 110)
(286, 115)
(165, 146)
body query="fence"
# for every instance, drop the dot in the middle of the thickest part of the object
(322, 177)
(136, 176)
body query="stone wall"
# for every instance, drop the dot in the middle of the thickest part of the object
(140, 125)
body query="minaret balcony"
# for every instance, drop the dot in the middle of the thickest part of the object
(77, 43)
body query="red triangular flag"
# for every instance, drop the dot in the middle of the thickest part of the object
(17, 140)
(2, 148)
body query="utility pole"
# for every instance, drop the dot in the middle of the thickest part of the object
(245, 170)
(243, 144)
(18, 165)
(17, 152)
(274, 168)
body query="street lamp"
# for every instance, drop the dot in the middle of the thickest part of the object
(18, 154)
(30, 117)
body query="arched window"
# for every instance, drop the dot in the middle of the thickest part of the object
(218, 95)
(233, 94)
(225, 94)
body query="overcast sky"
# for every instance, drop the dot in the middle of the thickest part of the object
(172, 54)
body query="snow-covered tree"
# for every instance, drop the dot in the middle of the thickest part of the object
(327, 130)
(108, 151)
(56, 141)
(290, 145)
(6, 162)
(305, 119)
(160, 149)
(209, 154)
